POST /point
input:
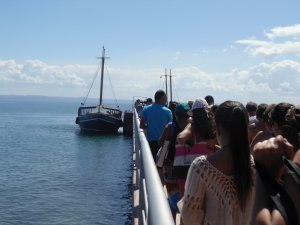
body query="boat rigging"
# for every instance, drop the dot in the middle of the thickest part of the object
(99, 118)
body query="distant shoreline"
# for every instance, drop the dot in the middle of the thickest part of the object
(38, 98)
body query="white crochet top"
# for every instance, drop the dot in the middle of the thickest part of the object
(210, 197)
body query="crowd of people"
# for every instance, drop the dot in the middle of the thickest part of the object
(227, 163)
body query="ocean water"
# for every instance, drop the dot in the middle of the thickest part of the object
(50, 173)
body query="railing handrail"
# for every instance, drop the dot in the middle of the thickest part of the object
(157, 211)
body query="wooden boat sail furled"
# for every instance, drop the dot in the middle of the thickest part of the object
(99, 118)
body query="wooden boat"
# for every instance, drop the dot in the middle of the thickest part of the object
(99, 118)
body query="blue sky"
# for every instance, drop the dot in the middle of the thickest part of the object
(242, 50)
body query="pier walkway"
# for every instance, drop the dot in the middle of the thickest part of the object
(150, 205)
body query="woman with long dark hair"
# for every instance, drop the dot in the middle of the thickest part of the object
(196, 139)
(200, 130)
(219, 186)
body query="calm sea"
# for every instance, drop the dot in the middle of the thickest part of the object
(52, 174)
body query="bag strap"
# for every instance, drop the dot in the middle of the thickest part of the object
(292, 169)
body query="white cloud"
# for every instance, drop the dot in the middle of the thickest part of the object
(267, 48)
(275, 82)
(288, 31)
(266, 82)
(253, 42)
(38, 72)
(262, 48)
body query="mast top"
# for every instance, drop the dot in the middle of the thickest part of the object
(102, 74)
(103, 54)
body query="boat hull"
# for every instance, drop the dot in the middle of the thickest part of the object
(99, 123)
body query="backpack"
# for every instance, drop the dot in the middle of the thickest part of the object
(284, 197)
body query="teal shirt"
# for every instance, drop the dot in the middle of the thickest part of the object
(156, 117)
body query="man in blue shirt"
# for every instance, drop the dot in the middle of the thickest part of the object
(154, 119)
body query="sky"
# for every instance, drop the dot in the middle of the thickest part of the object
(237, 50)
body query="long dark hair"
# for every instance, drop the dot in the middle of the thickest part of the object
(233, 118)
(201, 124)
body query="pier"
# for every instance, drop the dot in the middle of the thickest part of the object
(150, 205)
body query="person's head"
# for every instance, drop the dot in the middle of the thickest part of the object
(278, 115)
(160, 97)
(284, 121)
(199, 103)
(201, 123)
(181, 110)
(172, 106)
(209, 99)
(232, 126)
(231, 113)
(251, 108)
(149, 101)
(190, 103)
(260, 111)
(267, 117)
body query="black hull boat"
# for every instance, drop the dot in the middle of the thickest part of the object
(107, 120)
(98, 118)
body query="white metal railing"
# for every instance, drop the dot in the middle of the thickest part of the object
(153, 207)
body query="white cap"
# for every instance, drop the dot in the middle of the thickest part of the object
(199, 103)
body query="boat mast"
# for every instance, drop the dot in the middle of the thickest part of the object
(171, 86)
(166, 80)
(102, 73)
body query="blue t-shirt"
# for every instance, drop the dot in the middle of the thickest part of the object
(156, 117)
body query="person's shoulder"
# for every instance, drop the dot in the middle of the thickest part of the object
(200, 165)
(200, 161)
(166, 109)
(145, 111)
(146, 107)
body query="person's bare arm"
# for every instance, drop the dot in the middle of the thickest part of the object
(185, 135)
(269, 154)
(296, 159)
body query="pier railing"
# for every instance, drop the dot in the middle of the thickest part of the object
(150, 201)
